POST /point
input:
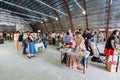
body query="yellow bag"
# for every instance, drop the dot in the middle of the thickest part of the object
(80, 53)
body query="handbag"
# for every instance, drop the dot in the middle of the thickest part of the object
(80, 53)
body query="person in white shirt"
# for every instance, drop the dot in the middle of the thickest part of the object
(16, 36)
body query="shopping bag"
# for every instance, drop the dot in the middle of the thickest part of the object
(111, 66)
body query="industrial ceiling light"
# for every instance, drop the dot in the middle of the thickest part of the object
(41, 21)
(51, 7)
(27, 9)
(83, 11)
(56, 19)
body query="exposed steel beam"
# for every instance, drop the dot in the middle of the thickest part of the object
(86, 16)
(49, 19)
(108, 19)
(27, 9)
(51, 7)
(69, 14)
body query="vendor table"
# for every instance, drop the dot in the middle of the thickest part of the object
(39, 45)
(74, 53)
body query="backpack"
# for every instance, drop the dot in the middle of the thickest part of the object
(64, 60)
(20, 38)
(96, 59)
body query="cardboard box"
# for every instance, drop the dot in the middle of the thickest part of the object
(111, 66)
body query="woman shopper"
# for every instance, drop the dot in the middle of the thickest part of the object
(16, 36)
(25, 41)
(94, 43)
(110, 45)
(32, 50)
(79, 44)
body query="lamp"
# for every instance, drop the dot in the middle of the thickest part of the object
(56, 19)
(83, 12)
(41, 21)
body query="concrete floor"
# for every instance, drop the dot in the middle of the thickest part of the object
(46, 66)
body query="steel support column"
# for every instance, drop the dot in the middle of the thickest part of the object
(57, 16)
(108, 19)
(69, 14)
(58, 21)
(86, 16)
(45, 26)
(51, 24)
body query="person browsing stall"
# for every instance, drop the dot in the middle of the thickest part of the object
(110, 45)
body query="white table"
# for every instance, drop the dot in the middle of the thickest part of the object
(39, 45)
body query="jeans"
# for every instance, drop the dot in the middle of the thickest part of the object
(24, 46)
(45, 43)
(83, 61)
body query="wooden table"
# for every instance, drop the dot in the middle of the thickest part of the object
(73, 53)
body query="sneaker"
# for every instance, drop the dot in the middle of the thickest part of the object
(33, 56)
(29, 57)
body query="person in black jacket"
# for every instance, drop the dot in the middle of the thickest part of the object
(88, 36)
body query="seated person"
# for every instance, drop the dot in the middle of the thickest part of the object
(79, 41)
(79, 44)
